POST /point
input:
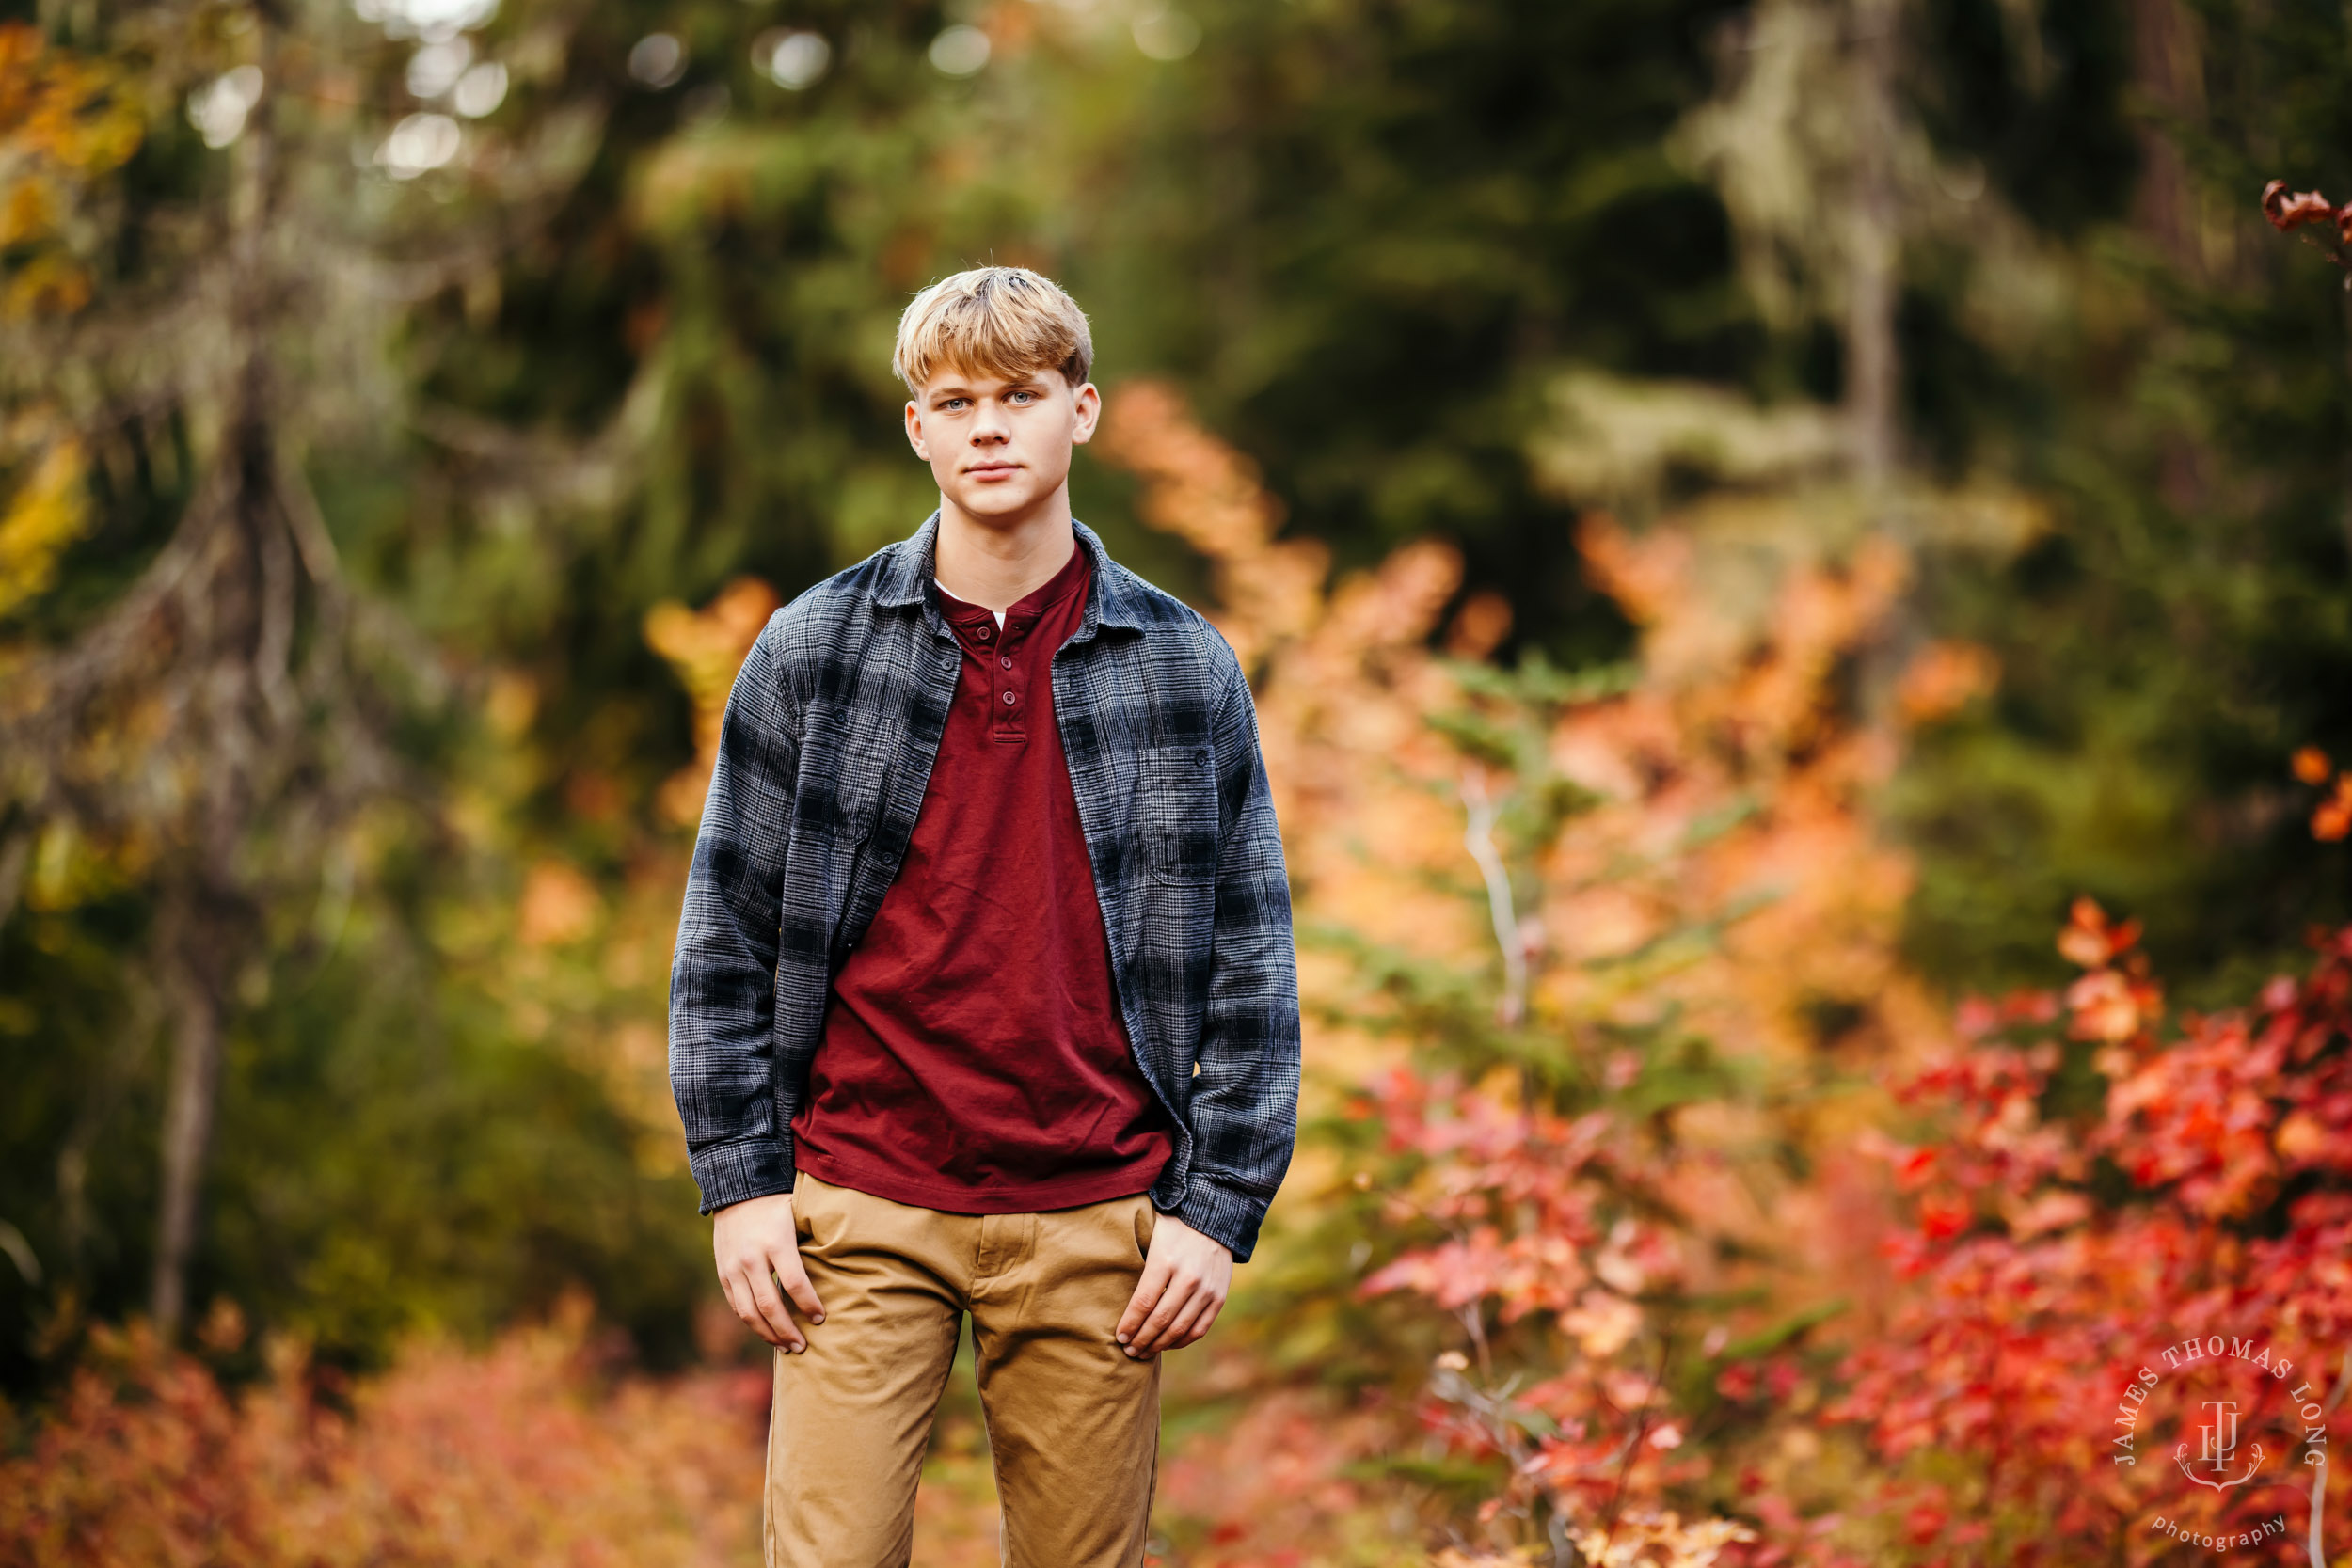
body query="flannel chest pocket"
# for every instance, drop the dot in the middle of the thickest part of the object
(1176, 813)
(845, 759)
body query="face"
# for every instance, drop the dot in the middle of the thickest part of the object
(1000, 448)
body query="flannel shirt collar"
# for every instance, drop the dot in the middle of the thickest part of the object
(907, 581)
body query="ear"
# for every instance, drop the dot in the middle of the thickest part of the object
(914, 431)
(1086, 413)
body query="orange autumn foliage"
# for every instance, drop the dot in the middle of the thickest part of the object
(706, 648)
(525, 1454)
(2331, 819)
(1722, 719)
(1716, 877)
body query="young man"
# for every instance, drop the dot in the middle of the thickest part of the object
(984, 999)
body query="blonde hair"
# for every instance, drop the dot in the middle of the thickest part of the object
(1003, 321)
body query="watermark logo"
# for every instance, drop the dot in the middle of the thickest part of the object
(2239, 1427)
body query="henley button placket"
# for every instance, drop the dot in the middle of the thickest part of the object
(1008, 727)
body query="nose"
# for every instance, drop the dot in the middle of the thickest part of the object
(988, 425)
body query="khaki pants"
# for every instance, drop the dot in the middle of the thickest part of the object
(1072, 1421)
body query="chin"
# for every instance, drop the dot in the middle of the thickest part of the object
(997, 501)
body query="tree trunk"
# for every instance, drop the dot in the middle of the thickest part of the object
(2169, 78)
(237, 639)
(16, 854)
(1873, 371)
(188, 964)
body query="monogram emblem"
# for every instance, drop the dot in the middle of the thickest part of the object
(2218, 1449)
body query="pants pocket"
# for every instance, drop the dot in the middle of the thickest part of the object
(807, 1193)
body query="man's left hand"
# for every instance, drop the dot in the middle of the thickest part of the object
(1185, 1279)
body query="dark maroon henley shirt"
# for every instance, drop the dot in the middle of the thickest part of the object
(973, 1059)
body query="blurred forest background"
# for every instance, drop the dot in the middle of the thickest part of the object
(1738, 515)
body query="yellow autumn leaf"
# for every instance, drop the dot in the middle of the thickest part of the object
(47, 513)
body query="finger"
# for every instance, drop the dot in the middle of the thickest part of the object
(1172, 1333)
(1191, 1319)
(1194, 1320)
(1152, 1337)
(780, 1328)
(735, 1298)
(738, 1301)
(746, 1304)
(793, 1276)
(745, 1309)
(1148, 1293)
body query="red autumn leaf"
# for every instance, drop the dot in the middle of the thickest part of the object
(2107, 1007)
(1924, 1523)
(2090, 940)
(2289, 210)
(1944, 1216)
(2029, 1007)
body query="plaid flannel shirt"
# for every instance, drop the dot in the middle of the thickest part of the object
(827, 746)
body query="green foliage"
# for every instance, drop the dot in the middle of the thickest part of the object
(2182, 625)
(1363, 234)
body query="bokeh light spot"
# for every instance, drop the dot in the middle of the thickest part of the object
(479, 91)
(794, 60)
(960, 51)
(419, 143)
(658, 61)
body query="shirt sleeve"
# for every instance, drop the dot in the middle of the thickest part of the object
(1244, 1108)
(722, 976)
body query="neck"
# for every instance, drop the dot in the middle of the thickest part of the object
(996, 563)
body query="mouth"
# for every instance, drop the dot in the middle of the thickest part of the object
(992, 470)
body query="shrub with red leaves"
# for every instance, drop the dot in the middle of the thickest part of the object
(2063, 1265)
(519, 1457)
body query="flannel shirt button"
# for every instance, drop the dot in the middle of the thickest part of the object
(1010, 699)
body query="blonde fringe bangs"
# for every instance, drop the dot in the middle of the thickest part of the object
(997, 321)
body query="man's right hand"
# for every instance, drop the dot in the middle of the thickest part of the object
(757, 1248)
